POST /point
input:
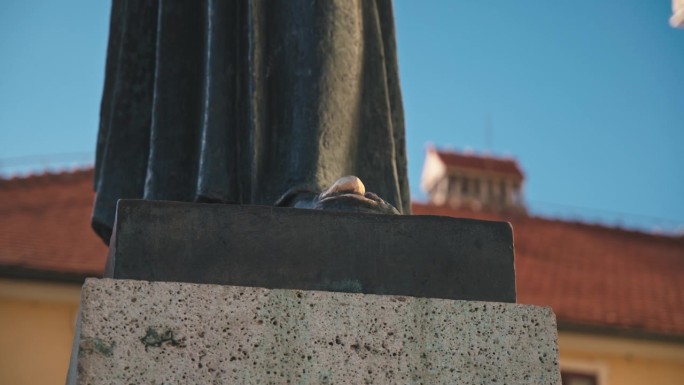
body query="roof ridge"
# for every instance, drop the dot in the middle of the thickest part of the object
(507, 216)
(609, 228)
(475, 154)
(490, 163)
(47, 177)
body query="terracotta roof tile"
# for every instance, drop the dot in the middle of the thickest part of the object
(593, 275)
(45, 226)
(480, 163)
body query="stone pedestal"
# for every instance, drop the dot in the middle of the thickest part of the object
(137, 332)
(285, 248)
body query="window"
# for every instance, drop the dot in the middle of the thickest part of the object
(575, 378)
(583, 372)
(452, 185)
(490, 190)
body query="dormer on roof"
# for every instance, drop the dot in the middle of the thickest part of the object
(476, 182)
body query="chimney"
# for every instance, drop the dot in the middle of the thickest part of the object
(472, 181)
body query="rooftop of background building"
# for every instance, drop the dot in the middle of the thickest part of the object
(594, 277)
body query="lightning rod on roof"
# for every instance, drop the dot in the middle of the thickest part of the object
(489, 134)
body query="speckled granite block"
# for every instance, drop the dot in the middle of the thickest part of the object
(137, 332)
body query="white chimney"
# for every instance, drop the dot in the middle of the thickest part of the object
(677, 19)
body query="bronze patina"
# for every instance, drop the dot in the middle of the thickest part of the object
(251, 102)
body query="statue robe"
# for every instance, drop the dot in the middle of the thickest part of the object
(241, 101)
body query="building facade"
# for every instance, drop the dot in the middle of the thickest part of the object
(618, 295)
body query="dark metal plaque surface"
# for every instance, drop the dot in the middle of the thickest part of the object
(272, 247)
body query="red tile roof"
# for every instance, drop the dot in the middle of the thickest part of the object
(592, 276)
(480, 163)
(45, 227)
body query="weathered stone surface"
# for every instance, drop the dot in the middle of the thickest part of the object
(135, 332)
(283, 248)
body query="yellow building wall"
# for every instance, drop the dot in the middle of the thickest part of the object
(622, 361)
(37, 322)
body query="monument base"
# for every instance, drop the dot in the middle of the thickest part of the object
(165, 333)
(287, 248)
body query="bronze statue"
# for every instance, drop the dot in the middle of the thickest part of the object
(251, 101)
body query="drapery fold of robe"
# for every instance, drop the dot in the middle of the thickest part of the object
(241, 101)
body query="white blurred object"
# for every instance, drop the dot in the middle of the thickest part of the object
(677, 19)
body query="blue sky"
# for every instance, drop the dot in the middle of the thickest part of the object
(587, 95)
